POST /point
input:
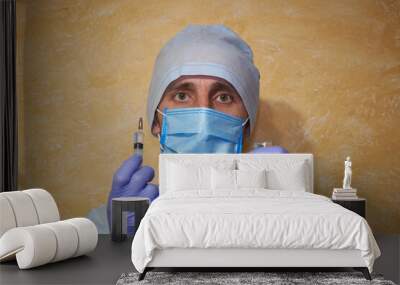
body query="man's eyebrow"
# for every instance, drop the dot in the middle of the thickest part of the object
(180, 85)
(218, 86)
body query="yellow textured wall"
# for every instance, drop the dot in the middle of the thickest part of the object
(330, 85)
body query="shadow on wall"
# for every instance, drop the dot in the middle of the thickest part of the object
(279, 123)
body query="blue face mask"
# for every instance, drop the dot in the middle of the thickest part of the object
(200, 130)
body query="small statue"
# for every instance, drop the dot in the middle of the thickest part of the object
(347, 174)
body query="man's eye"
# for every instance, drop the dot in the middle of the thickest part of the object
(224, 98)
(181, 97)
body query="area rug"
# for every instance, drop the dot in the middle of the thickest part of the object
(269, 278)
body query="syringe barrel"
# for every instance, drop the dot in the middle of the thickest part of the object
(138, 151)
(138, 142)
(138, 137)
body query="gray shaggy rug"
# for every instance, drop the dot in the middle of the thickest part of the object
(229, 278)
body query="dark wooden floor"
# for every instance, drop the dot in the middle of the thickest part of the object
(389, 262)
(110, 260)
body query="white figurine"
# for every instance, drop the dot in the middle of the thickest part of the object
(347, 174)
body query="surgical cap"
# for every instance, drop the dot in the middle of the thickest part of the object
(212, 50)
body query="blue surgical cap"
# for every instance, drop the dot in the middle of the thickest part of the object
(212, 50)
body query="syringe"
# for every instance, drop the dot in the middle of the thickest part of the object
(138, 139)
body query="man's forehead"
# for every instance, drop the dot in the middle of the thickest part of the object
(194, 78)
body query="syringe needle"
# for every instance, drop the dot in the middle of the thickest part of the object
(140, 124)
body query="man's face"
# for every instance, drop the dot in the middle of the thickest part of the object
(200, 91)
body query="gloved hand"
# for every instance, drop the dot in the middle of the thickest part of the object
(132, 179)
(269, 149)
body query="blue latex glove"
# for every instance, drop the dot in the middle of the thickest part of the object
(132, 179)
(269, 149)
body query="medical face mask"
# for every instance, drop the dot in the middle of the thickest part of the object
(200, 130)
